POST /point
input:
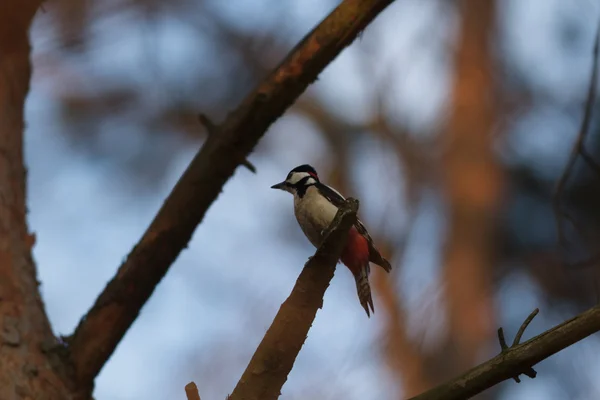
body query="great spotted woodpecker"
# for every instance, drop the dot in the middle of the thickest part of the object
(315, 206)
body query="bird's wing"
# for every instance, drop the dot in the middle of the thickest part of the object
(337, 199)
(374, 255)
(331, 194)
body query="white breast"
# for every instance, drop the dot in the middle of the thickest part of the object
(314, 214)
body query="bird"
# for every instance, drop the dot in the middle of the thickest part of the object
(315, 207)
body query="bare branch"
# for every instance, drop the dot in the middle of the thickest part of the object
(274, 358)
(212, 129)
(530, 372)
(516, 359)
(578, 149)
(191, 391)
(99, 332)
(524, 326)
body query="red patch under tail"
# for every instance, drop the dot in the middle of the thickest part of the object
(356, 257)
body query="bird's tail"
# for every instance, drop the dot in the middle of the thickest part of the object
(364, 289)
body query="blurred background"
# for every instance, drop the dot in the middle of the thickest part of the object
(449, 120)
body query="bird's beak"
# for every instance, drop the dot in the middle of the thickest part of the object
(280, 185)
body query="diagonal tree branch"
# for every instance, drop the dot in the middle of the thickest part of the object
(530, 372)
(99, 332)
(517, 359)
(274, 358)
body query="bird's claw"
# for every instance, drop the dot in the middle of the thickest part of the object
(324, 233)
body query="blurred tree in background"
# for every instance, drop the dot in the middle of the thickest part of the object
(449, 120)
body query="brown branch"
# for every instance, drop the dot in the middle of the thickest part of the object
(524, 326)
(99, 332)
(212, 129)
(578, 149)
(191, 391)
(274, 358)
(517, 359)
(530, 372)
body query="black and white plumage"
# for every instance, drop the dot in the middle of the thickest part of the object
(315, 207)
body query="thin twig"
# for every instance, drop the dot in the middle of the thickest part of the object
(515, 359)
(115, 309)
(210, 127)
(275, 356)
(578, 148)
(502, 339)
(213, 129)
(593, 164)
(191, 391)
(530, 372)
(524, 326)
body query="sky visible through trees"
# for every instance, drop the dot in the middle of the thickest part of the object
(112, 123)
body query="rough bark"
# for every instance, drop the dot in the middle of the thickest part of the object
(517, 359)
(275, 356)
(30, 366)
(473, 186)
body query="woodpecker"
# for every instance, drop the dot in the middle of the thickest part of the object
(315, 206)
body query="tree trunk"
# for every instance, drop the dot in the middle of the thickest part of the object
(29, 362)
(473, 186)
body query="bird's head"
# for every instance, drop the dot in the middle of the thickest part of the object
(298, 179)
